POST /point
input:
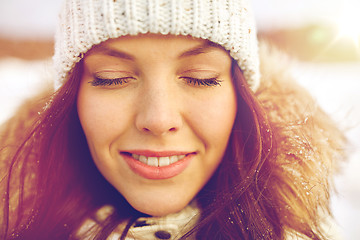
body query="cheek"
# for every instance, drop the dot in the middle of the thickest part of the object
(99, 119)
(213, 119)
(92, 118)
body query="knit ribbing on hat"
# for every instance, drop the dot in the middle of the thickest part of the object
(85, 23)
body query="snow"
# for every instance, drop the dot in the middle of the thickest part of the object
(20, 80)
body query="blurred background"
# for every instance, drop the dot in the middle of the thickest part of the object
(322, 37)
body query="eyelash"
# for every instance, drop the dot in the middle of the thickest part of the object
(108, 82)
(208, 82)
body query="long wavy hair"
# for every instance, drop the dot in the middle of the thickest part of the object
(54, 185)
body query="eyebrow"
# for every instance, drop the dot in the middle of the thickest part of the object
(103, 49)
(203, 48)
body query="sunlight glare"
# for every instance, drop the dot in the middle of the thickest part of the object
(348, 23)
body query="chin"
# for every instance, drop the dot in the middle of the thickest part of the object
(161, 208)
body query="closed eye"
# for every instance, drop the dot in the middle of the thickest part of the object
(207, 82)
(98, 81)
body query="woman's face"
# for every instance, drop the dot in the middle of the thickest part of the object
(157, 112)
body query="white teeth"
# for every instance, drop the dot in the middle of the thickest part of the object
(174, 159)
(153, 161)
(142, 159)
(158, 161)
(164, 161)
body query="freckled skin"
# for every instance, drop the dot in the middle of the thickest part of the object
(156, 107)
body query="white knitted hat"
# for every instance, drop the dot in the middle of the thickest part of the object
(85, 23)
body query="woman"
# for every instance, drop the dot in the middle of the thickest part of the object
(161, 127)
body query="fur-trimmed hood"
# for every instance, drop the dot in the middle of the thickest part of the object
(310, 146)
(308, 143)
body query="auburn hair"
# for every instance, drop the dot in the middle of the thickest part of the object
(53, 184)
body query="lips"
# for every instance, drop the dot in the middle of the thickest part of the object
(157, 165)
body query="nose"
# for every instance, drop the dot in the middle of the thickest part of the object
(158, 112)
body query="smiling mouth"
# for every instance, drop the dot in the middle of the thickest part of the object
(158, 165)
(156, 161)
